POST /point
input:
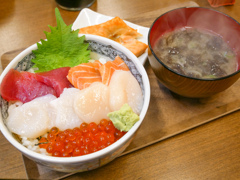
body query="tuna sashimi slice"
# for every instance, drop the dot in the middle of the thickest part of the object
(56, 78)
(23, 86)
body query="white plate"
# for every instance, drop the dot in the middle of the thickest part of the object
(88, 17)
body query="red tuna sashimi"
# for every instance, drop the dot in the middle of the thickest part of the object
(56, 78)
(23, 86)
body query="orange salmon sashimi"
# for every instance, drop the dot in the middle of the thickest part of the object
(83, 75)
(110, 67)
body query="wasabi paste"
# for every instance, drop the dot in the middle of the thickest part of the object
(124, 118)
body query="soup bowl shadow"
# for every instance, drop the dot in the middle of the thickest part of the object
(199, 18)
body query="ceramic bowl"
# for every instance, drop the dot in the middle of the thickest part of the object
(195, 17)
(101, 47)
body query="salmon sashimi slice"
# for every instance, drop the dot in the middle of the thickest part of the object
(83, 75)
(84, 72)
(120, 63)
(84, 82)
(110, 67)
(116, 29)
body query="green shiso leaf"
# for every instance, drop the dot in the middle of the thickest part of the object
(63, 48)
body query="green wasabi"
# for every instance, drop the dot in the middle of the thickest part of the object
(124, 118)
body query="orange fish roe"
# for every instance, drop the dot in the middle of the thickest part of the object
(86, 139)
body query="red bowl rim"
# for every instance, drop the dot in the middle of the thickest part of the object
(209, 79)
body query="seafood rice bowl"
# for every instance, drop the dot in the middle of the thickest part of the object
(80, 110)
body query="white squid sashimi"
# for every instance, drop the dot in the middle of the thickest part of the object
(62, 113)
(124, 88)
(31, 119)
(92, 103)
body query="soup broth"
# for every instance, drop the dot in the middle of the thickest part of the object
(196, 53)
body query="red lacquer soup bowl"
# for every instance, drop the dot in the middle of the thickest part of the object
(199, 18)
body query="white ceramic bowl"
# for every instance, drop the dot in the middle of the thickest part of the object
(99, 158)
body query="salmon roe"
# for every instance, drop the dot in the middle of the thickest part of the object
(86, 139)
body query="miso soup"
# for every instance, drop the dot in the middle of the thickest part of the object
(196, 53)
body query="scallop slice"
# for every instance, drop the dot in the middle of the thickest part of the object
(62, 113)
(92, 103)
(124, 88)
(31, 119)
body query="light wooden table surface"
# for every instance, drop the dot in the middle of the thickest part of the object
(211, 151)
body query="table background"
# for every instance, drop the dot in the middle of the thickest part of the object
(210, 151)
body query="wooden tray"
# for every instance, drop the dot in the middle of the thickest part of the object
(168, 114)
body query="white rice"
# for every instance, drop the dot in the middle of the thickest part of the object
(31, 144)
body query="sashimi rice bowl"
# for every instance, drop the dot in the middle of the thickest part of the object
(76, 109)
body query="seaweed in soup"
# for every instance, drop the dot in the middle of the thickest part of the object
(196, 53)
